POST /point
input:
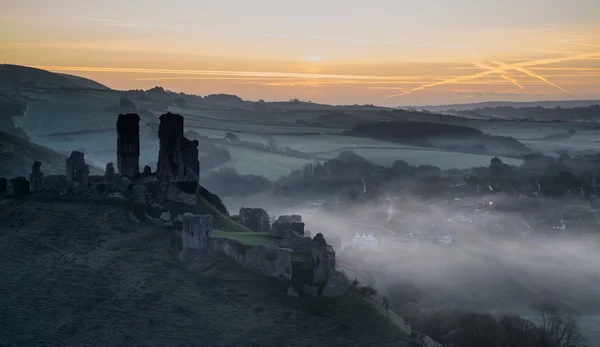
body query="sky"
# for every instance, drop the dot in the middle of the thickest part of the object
(383, 52)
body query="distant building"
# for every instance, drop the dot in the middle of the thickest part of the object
(364, 241)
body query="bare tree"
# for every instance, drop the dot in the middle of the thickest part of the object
(558, 329)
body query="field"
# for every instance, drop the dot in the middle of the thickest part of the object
(80, 275)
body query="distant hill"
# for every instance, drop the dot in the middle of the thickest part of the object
(544, 104)
(23, 77)
(17, 155)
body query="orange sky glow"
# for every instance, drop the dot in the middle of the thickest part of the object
(338, 52)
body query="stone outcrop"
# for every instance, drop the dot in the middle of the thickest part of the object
(323, 259)
(195, 235)
(109, 172)
(336, 286)
(287, 230)
(128, 145)
(177, 156)
(36, 178)
(255, 219)
(76, 168)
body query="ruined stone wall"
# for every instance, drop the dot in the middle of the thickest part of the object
(323, 257)
(267, 260)
(36, 178)
(170, 154)
(128, 145)
(255, 219)
(76, 168)
(190, 159)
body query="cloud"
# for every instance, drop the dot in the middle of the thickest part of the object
(111, 22)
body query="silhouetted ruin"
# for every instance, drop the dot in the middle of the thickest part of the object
(36, 178)
(76, 168)
(128, 145)
(177, 156)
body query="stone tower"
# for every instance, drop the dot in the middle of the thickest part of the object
(128, 145)
(177, 156)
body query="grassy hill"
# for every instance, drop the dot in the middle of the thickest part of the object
(17, 76)
(17, 155)
(82, 275)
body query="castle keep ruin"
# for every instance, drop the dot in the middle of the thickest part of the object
(128, 145)
(177, 156)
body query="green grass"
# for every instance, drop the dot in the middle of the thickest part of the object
(247, 238)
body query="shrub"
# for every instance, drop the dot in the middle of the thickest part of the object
(20, 186)
(367, 291)
(101, 188)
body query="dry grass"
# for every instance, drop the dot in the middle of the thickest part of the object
(78, 274)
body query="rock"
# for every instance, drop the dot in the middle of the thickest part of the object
(128, 145)
(36, 178)
(76, 168)
(139, 193)
(124, 185)
(109, 172)
(336, 286)
(165, 216)
(292, 292)
(310, 290)
(302, 244)
(177, 195)
(255, 219)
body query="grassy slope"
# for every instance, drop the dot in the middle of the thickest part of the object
(17, 156)
(248, 238)
(80, 275)
(17, 76)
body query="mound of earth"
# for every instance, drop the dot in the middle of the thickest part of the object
(16, 76)
(17, 155)
(82, 275)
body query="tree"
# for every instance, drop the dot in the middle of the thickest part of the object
(558, 329)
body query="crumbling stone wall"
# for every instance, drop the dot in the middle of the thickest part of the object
(76, 168)
(323, 259)
(128, 145)
(170, 154)
(255, 219)
(109, 172)
(267, 260)
(195, 234)
(36, 178)
(190, 159)
(177, 156)
(287, 230)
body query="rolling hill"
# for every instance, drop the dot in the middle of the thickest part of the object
(17, 76)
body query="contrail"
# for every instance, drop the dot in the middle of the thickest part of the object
(505, 75)
(110, 22)
(512, 66)
(530, 73)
